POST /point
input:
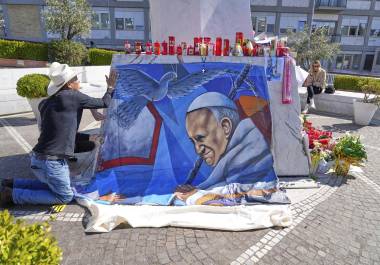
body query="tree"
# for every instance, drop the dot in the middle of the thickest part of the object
(317, 46)
(68, 18)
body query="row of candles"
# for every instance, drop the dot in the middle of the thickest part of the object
(204, 46)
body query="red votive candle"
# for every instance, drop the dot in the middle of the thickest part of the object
(226, 48)
(239, 38)
(138, 47)
(218, 46)
(196, 46)
(179, 50)
(190, 50)
(164, 48)
(148, 48)
(157, 48)
(171, 45)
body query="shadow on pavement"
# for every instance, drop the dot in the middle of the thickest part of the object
(20, 121)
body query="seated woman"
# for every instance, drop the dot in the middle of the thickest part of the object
(315, 83)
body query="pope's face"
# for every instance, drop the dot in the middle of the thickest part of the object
(209, 137)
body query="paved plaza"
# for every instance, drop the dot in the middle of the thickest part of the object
(337, 224)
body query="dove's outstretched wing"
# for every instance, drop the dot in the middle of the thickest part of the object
(127, 112)
(191, 82)
(133, 82)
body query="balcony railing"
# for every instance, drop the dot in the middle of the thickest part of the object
(331, 4)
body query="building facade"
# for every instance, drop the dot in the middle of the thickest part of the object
(355, 24)
(113, 22)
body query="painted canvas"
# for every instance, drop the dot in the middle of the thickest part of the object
(187, 134)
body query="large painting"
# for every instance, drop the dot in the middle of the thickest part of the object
(187, 134)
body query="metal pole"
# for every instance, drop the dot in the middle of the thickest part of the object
(311, 20)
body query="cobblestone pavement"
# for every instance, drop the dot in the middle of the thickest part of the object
(337, 225)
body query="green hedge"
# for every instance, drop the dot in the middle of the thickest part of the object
(23, 50)
(68, 52)
(350, 83)
(100, 57)
(33, 86)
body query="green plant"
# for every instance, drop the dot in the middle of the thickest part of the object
(68, 18)
(33, 86)
(21, 243)
(68, 52)
(348, 151)
(371, 90)
(352, 83)
(100, 57)
(23, 50)
(310, 47)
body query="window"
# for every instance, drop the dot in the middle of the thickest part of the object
(329, 26)
(263, 22)
(348, 61)
(101, 21)
(129, 23)
(354, 26)
(119, 22)
(2, 23)
(375, 28)
(378, 58)
(292, 22)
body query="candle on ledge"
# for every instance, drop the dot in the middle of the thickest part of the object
(196, 46)
(148, 48)
(218, 47)
(239, 38)
(226, 47)
(164, 48)
(179, 50)
(138, 47)
(171, 45)
(190, 50)
(157, 48)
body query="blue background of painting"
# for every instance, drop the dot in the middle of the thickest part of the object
(154, 184)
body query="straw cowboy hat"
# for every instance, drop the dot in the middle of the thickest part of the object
(59, 75)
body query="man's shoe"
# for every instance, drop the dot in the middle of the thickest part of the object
(306, 109)
(312, 104)
(5, 197)
(72, 159)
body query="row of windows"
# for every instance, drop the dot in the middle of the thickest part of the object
(350, 27)
(101, 21)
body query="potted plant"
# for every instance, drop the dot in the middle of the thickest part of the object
(34, 88)
(348, 151)
(365, 109)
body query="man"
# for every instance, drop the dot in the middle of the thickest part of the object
(59, 124)
(315, 83)
(241, 158)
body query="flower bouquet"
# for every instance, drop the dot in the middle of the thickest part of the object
(322, 158)
(348, 151)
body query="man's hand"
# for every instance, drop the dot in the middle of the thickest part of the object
(184, 191)
(111, 80)
(97, 138)
(97, 115)
(185, 188)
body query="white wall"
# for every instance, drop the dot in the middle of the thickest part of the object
(264, 3)
(93, 83)
(352, 40)
(358, 4)
(295, 3)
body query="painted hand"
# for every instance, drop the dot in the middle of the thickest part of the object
(111, 80)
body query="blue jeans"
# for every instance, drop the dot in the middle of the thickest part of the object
(52, 185)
